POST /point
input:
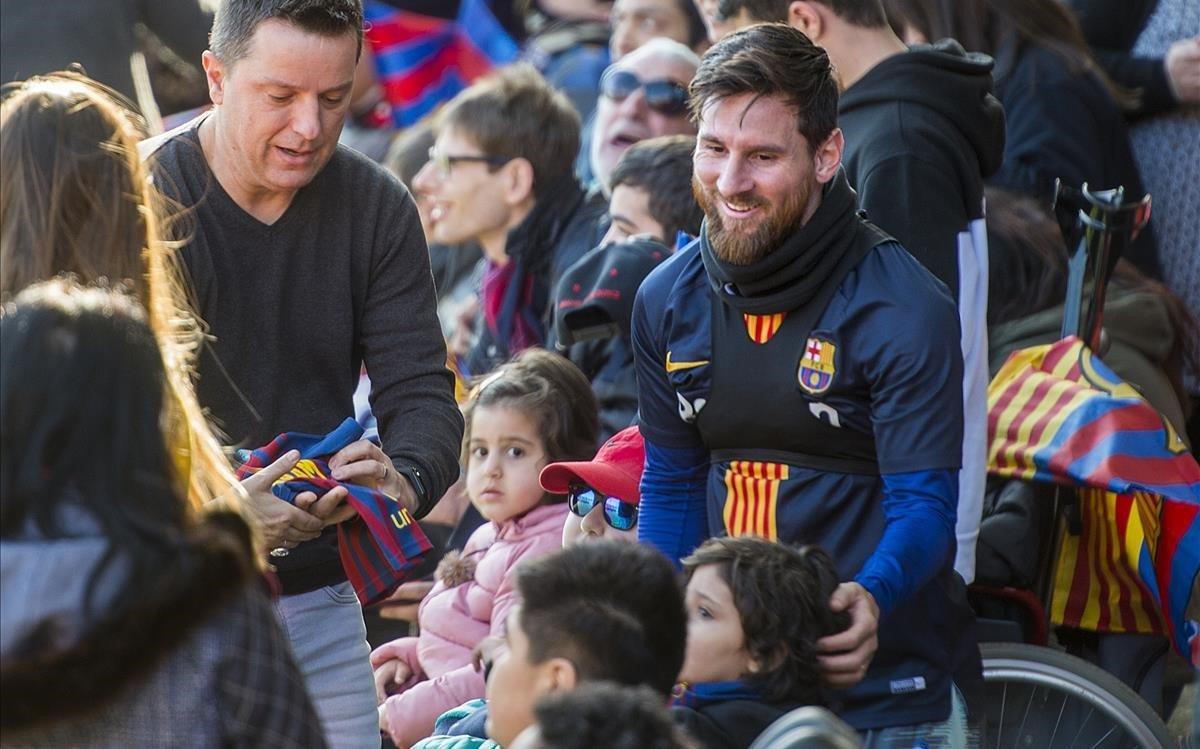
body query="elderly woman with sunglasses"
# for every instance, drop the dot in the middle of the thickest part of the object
(602, 493)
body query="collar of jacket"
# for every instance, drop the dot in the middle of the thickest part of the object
(533, 240)
(532, 523)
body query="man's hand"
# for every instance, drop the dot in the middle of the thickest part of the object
(845, 656)
(403, 604)
(390, 674)
(279, 523)
(363, 463)
(332, 508)
(1183, 70)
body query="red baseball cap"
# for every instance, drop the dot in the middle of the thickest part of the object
(616, 470)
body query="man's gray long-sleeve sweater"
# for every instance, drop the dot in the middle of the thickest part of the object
(295, 308)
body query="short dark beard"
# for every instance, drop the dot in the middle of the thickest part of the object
(741, 249)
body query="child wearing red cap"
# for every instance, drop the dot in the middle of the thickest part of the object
(602, 493)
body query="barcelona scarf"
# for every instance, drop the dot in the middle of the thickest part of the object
(381, 545)
(1056, 413)
(423, 61)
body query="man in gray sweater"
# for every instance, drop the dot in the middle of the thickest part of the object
(307, 260)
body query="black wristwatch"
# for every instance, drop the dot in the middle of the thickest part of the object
(413, 474)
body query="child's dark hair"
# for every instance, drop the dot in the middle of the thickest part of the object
(662, 168)
(608, 715)
(782, 596)
(613, 609)
(553, 393)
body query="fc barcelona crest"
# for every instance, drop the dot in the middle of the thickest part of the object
(817, 366)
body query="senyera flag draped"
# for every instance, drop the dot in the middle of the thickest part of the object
(1057, 413)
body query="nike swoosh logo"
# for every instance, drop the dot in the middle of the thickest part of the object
(675, 366)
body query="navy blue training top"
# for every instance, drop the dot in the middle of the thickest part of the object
(887, 364)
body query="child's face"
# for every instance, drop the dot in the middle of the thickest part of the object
(505, 456)
(715, 640)
(514, 685)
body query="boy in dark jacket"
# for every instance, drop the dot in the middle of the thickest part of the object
(755, 611)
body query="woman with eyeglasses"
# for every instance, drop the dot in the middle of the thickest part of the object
(602, 493)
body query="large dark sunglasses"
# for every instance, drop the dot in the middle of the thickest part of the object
(662, 95)
(618, 513)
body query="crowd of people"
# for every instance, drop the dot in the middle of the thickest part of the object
(637, 396)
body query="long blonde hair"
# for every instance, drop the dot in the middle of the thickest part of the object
(75, 198)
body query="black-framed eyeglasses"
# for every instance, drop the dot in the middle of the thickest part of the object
(618, 513)
(444, 162)
(662, 94)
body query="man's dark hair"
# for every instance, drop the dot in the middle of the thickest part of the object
(615, 610)
(697, 31)
(782, 596)
(771, 59)
(607, 715)
(663, 168)
(236, 21)
(514, 113)
(867, 13)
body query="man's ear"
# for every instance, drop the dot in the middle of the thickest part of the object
(518, 181)
(828, 156)
(557, 675)
(215, 73)
(805, 16)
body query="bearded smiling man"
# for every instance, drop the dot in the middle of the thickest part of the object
(799, 378)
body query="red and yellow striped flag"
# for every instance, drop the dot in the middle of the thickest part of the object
(751, 497)
(761, 328)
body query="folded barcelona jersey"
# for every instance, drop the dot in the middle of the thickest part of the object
(380, 546)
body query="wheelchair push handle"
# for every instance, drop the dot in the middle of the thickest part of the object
(1097, 226)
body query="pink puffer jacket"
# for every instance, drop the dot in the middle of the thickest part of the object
(455, 618)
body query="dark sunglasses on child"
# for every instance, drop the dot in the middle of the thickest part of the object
(662, 95)
(618, 513)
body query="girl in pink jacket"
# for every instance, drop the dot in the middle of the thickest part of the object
(535, 410)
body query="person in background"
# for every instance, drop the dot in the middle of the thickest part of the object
(500, 175)
(1063, 115)
(1153, 47)
(635, 22)
(1162, 69)
(756, 609)
(602, 493)
(153, 613)
(651, 193)
(644, 95)
(651, 208)
(602, 714)
(568, 45)
(457, 269)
